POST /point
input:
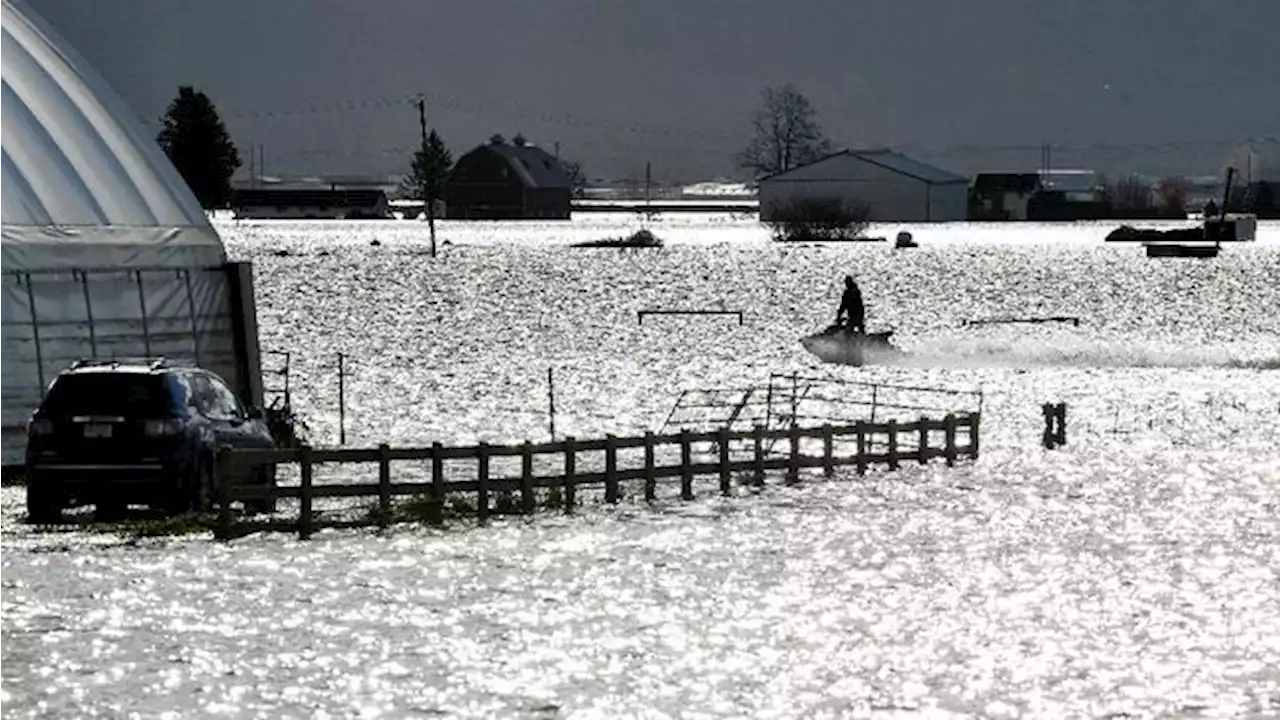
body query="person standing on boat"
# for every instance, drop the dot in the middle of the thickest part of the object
(851, 303)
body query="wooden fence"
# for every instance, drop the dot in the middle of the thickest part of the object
(890, 443)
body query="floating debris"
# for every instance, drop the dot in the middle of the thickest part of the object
(638, 239)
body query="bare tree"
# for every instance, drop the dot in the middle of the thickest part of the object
(1173, 193)
(786, 133)
(577, 178)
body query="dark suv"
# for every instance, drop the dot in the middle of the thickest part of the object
(117, 432)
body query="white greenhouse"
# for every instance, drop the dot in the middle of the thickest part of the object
(106, 252)
(893, 187)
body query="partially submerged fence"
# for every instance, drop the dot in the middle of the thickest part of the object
(861, 445)
(790, 400)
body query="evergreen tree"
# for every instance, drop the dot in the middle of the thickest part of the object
(430, 170)
(197, 143)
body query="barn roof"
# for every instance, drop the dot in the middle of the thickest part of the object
(535, 166)
(889, 160)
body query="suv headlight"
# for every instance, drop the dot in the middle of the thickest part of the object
(161, 428)
(40, 427)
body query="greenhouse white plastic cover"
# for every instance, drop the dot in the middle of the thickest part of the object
(106, 252)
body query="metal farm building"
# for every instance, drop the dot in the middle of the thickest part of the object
(893, 187)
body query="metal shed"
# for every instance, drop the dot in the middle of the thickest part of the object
(893, 187)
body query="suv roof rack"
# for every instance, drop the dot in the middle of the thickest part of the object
(153, 363)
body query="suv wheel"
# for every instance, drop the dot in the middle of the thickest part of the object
(192, 492)
(44, 502)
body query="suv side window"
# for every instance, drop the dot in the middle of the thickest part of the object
(227, 402)
(203, 398)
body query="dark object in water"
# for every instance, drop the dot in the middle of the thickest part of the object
(1182, 251)
(904, 240)
(842, 346)
(638, 239)
(1128, 233)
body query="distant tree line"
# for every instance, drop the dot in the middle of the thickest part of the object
(196, 141)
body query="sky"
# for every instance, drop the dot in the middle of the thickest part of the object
(327, 87)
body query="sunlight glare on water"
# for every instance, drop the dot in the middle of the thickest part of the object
(1131, 573)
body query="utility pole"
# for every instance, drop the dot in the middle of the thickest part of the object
(427, 202)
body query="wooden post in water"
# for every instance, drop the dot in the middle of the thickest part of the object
(437, 484)
(686, 468)
(551, 402)
(1062, 423)
(304, 511)
(342, 400)
(795, 398)
(610, 469)
(650, 479)
(828, 440)
(1050, 439)
(482, 482)
(223, 475)
(793, 462)
(893, 444)
(951, 439)
(974, 422)
(384, 485)
(860, 428)
(924, 440)
(526, 479)
(726, 486)
(570, 483)
(757, 439)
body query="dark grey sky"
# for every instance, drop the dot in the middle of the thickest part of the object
(1147, 85)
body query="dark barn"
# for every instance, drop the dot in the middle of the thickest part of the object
(501, 181)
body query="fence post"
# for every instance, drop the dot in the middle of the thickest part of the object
(482, 482)
(686, 467)
(795, 397)
(924, 440)
(437, 484)
(1062, 423)
(726, 486)
(526, 478)
(793, 462)
(893, 445)
(1049, 439)
(828, 438)
(223, 475)
(951, 439)
(757, 439)
(860, 428)
(570, 484)
(304, 512)
(342, 401)
(650, 478)
(974, 421)
(384, 485)
(610, 469)
(551, 402)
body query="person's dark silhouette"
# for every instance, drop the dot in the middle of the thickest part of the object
(851, 303)
(1211, 209)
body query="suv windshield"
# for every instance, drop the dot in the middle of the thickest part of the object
(127, 394)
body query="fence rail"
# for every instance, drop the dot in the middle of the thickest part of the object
(901, 442)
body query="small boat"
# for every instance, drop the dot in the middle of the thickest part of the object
(839, 345)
